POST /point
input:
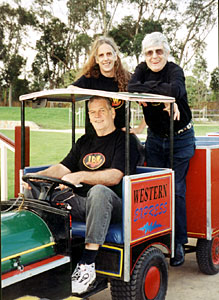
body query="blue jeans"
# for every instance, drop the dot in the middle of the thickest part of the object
(157, 155)
(100, 208)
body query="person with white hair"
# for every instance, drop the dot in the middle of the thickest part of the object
(157, 75)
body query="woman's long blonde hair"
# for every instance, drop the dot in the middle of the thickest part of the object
(91, 68)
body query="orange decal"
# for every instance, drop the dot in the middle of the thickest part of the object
(94, 161)
(117, 103)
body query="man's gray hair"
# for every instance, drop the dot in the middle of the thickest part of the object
(155, 39)
(108, 100)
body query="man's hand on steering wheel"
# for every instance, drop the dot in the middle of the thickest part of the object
(73, 178)
(37, 183)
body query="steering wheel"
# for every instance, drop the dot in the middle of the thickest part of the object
(45, 185)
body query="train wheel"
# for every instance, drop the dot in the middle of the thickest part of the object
(148, 280)
(207, 255)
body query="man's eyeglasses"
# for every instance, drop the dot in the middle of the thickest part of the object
(151, 52)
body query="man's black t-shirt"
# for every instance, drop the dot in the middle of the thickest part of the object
(99, 153)
(105, 84)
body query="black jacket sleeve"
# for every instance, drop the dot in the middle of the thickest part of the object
(169, 82)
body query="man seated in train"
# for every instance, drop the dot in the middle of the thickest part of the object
(98, 163)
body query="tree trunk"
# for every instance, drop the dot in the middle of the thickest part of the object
(10, 95)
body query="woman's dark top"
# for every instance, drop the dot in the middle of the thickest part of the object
(170, 81)
(105, 84)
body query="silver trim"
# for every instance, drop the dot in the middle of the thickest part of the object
(21, 187)
(207, 142)
(35, 271)
(173, 215)
(208, 195)
(126, 226)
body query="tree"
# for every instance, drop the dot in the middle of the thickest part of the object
(201, 75)
(191, 84)
(93, 16)
(148, 18)
(21, 86)
(195, 20)
(126, 37)
(186, 24)
(199, 69)
(50, 62)
(214, 83)
(196, 90)
(62, 47)
(196, 85)
(14, 23)
(13, 68)
(96, 15)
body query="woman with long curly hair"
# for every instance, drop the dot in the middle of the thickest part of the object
(104, 71)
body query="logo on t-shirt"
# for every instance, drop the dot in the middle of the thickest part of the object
(94, 161)
(117, 103)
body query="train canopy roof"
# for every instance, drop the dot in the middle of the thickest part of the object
(73, 93)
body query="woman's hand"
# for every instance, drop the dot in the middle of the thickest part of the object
(140, 128)
(176, 112)
(141, 103)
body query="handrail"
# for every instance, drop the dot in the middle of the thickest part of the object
(5, 144)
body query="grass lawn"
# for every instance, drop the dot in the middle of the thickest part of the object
(45, 148)
(47, 118)
(203, 129)
(51, 147)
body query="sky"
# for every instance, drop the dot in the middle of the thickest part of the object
(211, 53)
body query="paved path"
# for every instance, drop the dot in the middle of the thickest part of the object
(185, 283)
